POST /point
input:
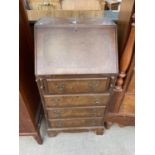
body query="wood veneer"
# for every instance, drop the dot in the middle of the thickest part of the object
(75, 73)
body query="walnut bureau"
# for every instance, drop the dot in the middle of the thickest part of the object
(76, 65)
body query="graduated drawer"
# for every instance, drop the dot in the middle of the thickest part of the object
(76, 100)
(74, 86)
(76, 112)
(76, 122)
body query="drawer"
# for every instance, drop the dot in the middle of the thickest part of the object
(76, 122)
(76, 100)
(76, 112)
(74, 86)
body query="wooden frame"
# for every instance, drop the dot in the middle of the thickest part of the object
(127, 63)
(124, 23)
(30, 112)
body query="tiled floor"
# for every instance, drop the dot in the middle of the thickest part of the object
(115, 141)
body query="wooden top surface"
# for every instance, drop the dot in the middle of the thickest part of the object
(75, 47)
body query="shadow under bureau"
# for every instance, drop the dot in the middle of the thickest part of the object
(76, 66)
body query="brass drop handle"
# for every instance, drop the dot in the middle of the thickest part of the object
(57, 100)
(41, 84)
(97, 101)
(61, 87)
(57, 113)
(42, 87)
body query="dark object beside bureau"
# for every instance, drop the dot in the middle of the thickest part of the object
(76, 66)
(30, 108)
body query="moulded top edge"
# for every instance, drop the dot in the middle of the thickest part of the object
(58, 21)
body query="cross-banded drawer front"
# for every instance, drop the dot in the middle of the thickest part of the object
(73, 86)
(76, 112)
(76, 122)
(76, 100)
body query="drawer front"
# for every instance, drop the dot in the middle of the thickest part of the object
(77, 122)
(76, 100)
(76, 112)
(73, 86)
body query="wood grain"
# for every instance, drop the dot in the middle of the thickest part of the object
(82, 4)
(29, 100)
(25, 123)
(128, 104)
(126, 120)
(45, 5)
(76, 100)
(74, 86)
(121, 109)
(34, 15)
(131, 86)
(75, 79)
(78, 122)
(124, 23)
(76, 112)
(126, 59)
(53, 57)
(55, 131)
